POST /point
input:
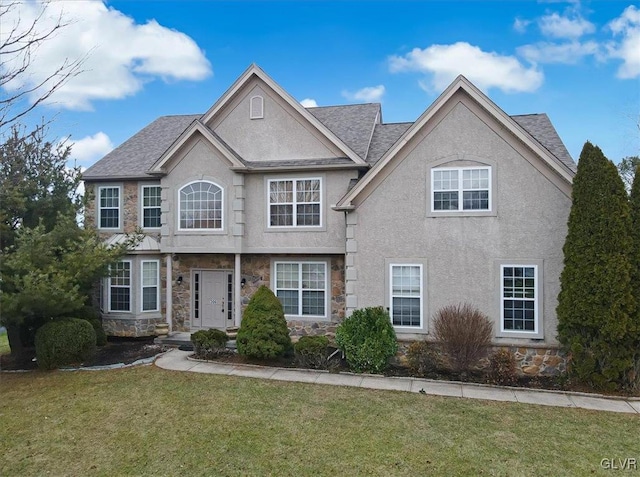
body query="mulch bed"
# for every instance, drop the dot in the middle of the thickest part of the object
(117, 350)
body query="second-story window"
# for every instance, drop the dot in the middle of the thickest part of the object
(201, 206)
(461, 189)
(151, 206)
(109, 207)
(295, 202)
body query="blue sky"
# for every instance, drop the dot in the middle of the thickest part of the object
(579, 62)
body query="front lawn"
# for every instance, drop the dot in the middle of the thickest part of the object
(148, 421)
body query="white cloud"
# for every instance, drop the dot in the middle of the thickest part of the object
(626, 26)
(370, 94)
(567, 53)
(521, 25)
(557, 26)
(309, 103)
(485, 69)
(91, 148)
(121, 55)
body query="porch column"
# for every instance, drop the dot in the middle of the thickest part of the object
(169, 298)
(237, 287)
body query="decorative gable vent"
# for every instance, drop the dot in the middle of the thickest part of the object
(257, 107)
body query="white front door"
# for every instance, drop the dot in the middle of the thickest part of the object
(210, 299)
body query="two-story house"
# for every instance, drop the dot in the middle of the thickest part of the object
(334, 210)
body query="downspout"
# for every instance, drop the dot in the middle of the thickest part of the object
(169, 299)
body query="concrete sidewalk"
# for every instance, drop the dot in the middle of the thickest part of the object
(178, 361)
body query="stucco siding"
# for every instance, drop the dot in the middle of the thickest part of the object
(328, 238)
(282, 134)
(527, 223)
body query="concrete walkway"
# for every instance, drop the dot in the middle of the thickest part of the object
(177, 360)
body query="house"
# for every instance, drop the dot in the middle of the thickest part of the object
(334, 210)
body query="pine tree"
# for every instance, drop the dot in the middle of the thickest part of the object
(635, 264)
(596, 304)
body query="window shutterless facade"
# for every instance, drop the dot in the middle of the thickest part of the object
(109, 207)
(151, 206)
(406, 295)
(519, 298)
(302, 288)
(461, 189)
(295, 202)
(120, 287)
(201, 206)
(150, 284)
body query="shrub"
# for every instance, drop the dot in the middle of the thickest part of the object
(423, 358)
(464, 334)
(367, 339)
(596, 307)
(502, 368)
(209, 343)
(312, 351)
(92, 315)
(263, 333)
(64, 341)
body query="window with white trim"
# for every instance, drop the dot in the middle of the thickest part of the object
(150, 278)
(256, 106)
(295, 202)
(460, 189)
(151, 206)
(519, 298)
(201, 206)
(109, 207)
(406, 295)
(120, 287)
(302, 287)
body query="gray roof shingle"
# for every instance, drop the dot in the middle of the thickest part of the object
(352, 123)
(540, 127)
(385, 136)
(133, 158)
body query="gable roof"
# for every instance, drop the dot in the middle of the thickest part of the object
(510, 124)
(385, 136)
(254, 71)
(133, 158)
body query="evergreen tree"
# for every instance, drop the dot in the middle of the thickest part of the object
(635, 262)
(596, 304)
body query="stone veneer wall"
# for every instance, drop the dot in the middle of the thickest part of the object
(131, 327)
(256, 270)
(530, 361)
(129, 208)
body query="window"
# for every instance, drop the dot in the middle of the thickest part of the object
(302, 287)
(256, 107)
(201, 206)
(150, 280)
(295, 203)
(151, 206)
(120, 287)
(406, 295)
(109, 207)
(519, 299)
(461, 189)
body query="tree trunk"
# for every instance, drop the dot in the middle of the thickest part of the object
(15, 343)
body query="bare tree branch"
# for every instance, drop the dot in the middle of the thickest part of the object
(17, 52)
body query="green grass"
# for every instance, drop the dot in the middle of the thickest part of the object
(4, 343)
(148, 421)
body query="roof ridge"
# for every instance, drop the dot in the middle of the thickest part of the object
(344, 105)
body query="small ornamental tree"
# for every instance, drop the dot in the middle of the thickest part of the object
(263, 333)
(596, 304)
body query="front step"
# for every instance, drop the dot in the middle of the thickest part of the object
(182, 339)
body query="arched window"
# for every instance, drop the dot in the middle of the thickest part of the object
(257, 107)
(201, 206)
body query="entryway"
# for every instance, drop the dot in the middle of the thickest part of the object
(211, 299)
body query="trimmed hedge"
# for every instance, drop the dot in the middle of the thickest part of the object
(367, 339)
(63, 342)
(312, 351)
(263, 333)
(209, 343)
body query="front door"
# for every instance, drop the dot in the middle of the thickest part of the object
(210, 299)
